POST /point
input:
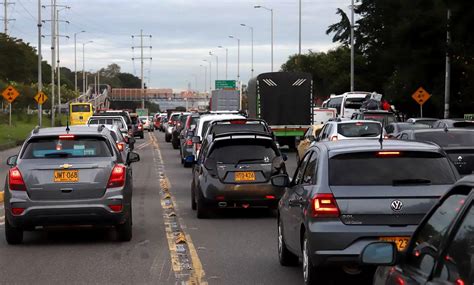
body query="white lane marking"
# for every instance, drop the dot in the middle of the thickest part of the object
(2, 218)
(141, 146)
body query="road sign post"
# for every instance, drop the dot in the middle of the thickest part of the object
(40, 98)
(10, 95)
(421, 96)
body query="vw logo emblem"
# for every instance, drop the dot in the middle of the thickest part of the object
(396, 205)
(459, 158)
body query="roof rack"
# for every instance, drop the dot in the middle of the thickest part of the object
(36, 130)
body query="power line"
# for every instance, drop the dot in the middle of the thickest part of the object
(141, 58)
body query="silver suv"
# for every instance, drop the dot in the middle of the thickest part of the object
(65, 177)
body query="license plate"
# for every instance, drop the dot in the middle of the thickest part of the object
(401, 242)
(244, 176)
(66, 176)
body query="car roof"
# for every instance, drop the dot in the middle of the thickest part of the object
(73, 130)
(355, 121)
(348, 146)
(439, 130)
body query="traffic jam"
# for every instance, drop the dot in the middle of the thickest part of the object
(351, 188)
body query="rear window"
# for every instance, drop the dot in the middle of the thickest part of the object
(382, 118)
(134, 120)
(354, 103)
(183, 118)
(448, 139)
(194, 122)
(405, 168)
(106, 121)
(143, 120)
(55, 147)
(359, 129)
(174, 117)
(469, 125)
(81, 108)
(220, 129)
(244, 150)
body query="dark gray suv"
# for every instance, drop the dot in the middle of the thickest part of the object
(70, 177)
(347, 194)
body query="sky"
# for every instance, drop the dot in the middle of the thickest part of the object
(183, 32)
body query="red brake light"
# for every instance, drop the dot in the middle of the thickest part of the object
(238, 122)
(66, 137)
(388, 153)
(269, 197)
(359, 124)
(189, 142)
(15, 180)
(17, 211)
(120, 146)
(324, 205)
(116, 208)
(117, 177)
(459, 282)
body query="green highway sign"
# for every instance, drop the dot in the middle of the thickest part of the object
(225, 84)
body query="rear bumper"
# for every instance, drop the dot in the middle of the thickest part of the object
(333, 243)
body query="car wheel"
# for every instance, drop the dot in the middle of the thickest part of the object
(13, 235)
(175, 145)
(193, 198)
(201, 211)
(124, 231)
(310, 274)
(286, 257)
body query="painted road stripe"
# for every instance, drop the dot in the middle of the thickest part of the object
(2, 218)
(185, 261)
(143, 145)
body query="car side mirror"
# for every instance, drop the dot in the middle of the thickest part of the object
(210, 163)
(11, 161)
(379, 253)
(132, 157)
(196, 139)
(284, 156)
(281, 180)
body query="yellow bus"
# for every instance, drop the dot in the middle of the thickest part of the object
(79, 113)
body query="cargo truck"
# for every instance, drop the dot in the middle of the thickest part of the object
(285, 101)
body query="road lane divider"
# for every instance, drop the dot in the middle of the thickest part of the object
(185, 261)
(2, 196)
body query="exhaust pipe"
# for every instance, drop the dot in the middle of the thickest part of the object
(222, 204)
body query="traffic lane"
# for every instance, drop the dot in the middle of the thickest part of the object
(235, 247)
(94, 255)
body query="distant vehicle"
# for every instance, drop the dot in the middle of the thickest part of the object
(79, 113)
(222, 100)
(137, 126)
(384, 117)
(350, 130)
(347, 194)
(109, 121)
(424, 121)
(305, 141)
(172, 121)
(453, 123)
(458, 143)
(348, 103)
(285, 101)
(234, 171)
(124, 114)
(146, 123)
(441, 250)
(322, 115)
(178, 127)
(75, 177)
(186, 139)
(394, 129)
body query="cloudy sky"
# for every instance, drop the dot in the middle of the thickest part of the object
(183, 32)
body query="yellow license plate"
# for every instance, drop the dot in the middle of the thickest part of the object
(66, 176)
(244, 176)
(401, 242)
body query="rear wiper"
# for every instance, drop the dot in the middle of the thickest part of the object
(410, 182)
(58, 154)
(247, 160)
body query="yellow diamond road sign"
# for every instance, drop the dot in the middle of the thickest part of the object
(10, 94)
(421, 96)
(41, 98)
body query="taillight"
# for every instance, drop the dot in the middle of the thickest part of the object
(270, 197)
(116, 208)
(334, 138)
(117, 177)
(325, 206)
(15, 180)
(189, 142)
(120, 146)
(140, 127)
(66, 137)
(17, 211)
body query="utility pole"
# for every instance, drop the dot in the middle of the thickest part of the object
(447, 83)
(251, 37)
(210, 74)
(40, 79)
(352, 46)
(53, 57)
(5, 15)
(238, 57)
(299, 41)
(142, 58)
(205, 77)
(217, 64)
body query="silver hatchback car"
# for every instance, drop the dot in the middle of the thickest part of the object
(75, 176)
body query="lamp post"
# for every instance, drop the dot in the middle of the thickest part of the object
(251, 34)
(271, 11)
(217, 64)
(210, 74)
(75, 59)
(226, 59)
(238, 57)
(84, 67)
(205, 77)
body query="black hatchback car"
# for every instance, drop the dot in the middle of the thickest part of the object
(441, 250)
(234, 171)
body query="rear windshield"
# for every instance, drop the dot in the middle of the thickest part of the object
(174, 117)
(183, 118)
(244, 150)
(81, 108)
(359, 129)
(106, 121)
(406, 168)
(354, 103)
(219, 129)
(448, 139)
(194, 122)
(469, 125)
(382, 118)
(143, 120)
(54, 147)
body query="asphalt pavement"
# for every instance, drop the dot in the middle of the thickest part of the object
(169, 246)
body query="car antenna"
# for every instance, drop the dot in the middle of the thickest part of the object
(381, 137)
(445, 127)
(67, 120)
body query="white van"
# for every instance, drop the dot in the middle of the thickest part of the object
(348, 103)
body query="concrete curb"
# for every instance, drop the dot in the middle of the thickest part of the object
(1, 197)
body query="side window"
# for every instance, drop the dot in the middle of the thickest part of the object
(389, 129)
(421, 255)
(404, 136)
(309, 176)
(301, 168)
(457, 266)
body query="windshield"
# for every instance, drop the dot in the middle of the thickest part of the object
(374, 168)
(448, 139)
(55, 147)
(359, 129)
(354, 103)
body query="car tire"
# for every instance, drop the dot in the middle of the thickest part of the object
(310, 272)
(142, 136)
(175, 145)
(187, 164)
(193, 198)
(286, 257)
(13, 235)
(124, 231)
(167, 138)
(201, 211)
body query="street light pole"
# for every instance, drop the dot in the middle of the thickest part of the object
(205, 77)
(238, 57)
(210, 74)
(217, 64)
(299, 26)
(75, 59)
(271, 12)
(251, 34)
(226, 59)
(83, 67)
(352, 46)
(40, 78)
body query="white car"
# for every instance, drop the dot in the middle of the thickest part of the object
(350, 130)
(147, 124)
